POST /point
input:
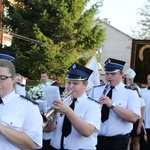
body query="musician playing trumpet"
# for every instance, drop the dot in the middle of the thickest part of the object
(78, 128)
(120, 108)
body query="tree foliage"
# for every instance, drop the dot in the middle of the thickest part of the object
(63, 29)
(142, 29)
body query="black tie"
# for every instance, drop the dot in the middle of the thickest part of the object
(66, 128)
(105, 109)
(148, 88)
(1, 100)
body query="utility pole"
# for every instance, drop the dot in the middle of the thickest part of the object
(1, 27)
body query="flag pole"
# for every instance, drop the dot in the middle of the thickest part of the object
(91, 59)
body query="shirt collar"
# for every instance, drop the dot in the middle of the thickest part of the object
(83, 96)
(47, 83)
(119, 85)
(6, 99)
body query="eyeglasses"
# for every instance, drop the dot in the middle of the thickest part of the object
(3, 78)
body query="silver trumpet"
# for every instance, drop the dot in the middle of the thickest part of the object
(103, 94)
(106, 88)
(51, 114)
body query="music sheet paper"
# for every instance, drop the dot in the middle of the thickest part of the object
(51, 94)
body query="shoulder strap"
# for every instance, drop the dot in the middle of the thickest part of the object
(29, 99)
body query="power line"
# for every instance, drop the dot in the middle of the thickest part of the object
(23, 37)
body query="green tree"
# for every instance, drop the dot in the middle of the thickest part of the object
(142, 28)
(62, 29)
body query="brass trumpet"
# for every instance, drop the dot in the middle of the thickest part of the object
(52, 113)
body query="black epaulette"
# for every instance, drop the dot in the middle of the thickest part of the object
(20, 84)
(99, 85)
(29, 99)
(128, 87)
(93, 100)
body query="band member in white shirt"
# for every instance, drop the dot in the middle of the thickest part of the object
(84, 120)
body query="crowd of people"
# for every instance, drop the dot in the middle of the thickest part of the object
(113, 116)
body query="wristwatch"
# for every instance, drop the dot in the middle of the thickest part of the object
(112, 105)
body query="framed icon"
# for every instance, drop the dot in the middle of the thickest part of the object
(140, 60)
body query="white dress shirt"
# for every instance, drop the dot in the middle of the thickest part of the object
(22, 115)
(126, 98)
(44, 85)
(145, 94)
(47, 136)
(87, 110)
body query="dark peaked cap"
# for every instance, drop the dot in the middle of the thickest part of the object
(78, 72)
(113, 65)
(7, 55)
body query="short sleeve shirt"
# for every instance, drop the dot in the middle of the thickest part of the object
(22, 115)
(124, 97)
(87, 110)
(145, 94)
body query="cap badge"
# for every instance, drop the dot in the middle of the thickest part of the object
(109, 61)
(74, 66)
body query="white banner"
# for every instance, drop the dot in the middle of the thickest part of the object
(94, 79)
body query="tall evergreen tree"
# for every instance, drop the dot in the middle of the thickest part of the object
(62, 30)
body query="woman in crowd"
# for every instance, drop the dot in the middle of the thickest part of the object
(136, 132)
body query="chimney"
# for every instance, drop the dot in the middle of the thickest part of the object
(106, 20)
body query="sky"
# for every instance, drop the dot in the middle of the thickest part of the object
(122, 14)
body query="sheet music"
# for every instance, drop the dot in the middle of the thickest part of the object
(51, 94)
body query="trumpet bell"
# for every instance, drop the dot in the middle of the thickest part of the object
(51, 114)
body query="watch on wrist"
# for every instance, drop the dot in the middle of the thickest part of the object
(112, 105)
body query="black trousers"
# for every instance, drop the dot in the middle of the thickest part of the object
(118, 142)
(148, 138)
(46, 145)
